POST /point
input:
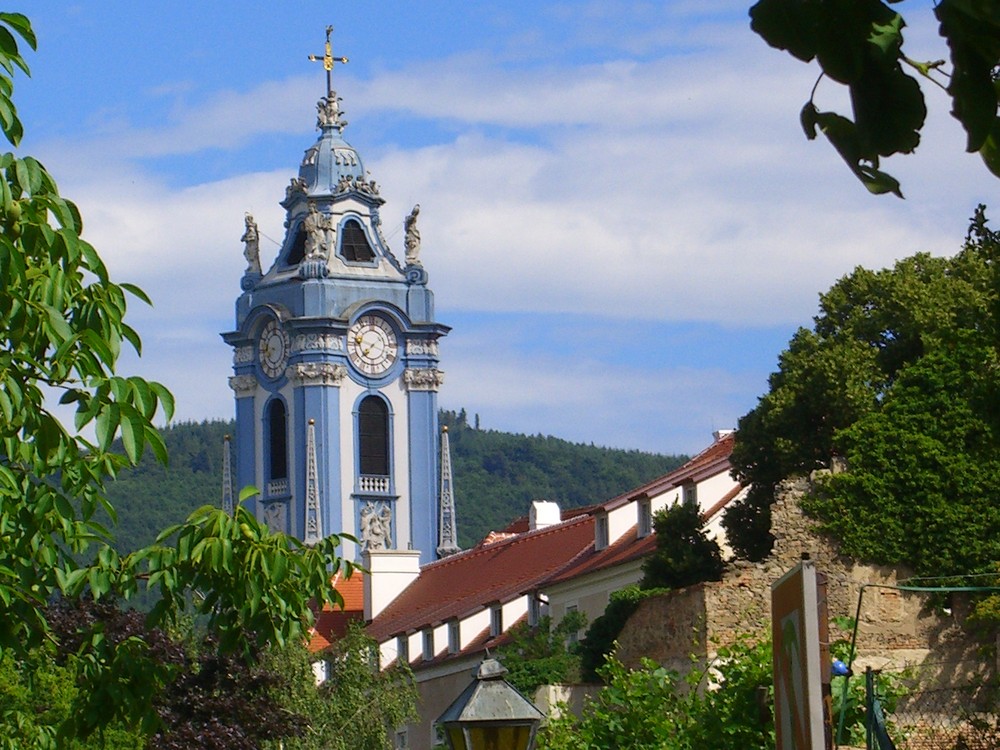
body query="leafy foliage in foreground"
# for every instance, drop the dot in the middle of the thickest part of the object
(899, 376)
(859, 44)
(358, 706)
(63, 331)
(208, 699)
(652, 708)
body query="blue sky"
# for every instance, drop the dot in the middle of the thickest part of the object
(621, 218)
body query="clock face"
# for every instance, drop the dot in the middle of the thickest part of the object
(371, 345)
(273, 349)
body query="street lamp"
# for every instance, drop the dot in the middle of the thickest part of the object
(490, 714)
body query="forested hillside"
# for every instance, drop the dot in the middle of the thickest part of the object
(496, 475)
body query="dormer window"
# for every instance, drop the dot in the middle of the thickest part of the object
(428, 644)
(454, 637)
(535, 612)
(691, 494)
(601, 533)
(354, 247)
(496, 620)
(403, 649)
(645, 518)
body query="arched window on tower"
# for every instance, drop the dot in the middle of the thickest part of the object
(298, 249)
(354, 245)
(373, 437)
(277, 443)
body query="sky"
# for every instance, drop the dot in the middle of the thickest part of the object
(622, 219)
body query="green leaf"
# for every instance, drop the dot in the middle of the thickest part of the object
(133, 434)
(973, 36)
(166, 399)
(790, 26)
(106, 425)
(889, 109)
(58, 324)
(136, 292)
(248, 492)
(22, 26)
(879, 182)
(156, 444)
(990, 150)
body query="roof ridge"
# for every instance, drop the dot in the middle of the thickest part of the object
(493, 547)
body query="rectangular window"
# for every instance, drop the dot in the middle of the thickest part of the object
(403, 649)
(691, 493)
(496, 620)
(601, 531)
(534, 609)
(428, 644)
(402, 740)
(573, 637)
(645, 518)
(454, 637)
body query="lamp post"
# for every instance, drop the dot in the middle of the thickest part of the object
(490, 714)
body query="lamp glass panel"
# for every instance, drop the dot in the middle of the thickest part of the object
(506, 737)
(456, 738)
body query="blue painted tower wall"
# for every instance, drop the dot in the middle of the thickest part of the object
(246, 449)
(423, 445)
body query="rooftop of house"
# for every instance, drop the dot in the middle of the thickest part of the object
(332, 622)
(518, 560)
(488, 574)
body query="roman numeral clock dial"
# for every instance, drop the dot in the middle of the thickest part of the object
(272, 350)
(371, 345)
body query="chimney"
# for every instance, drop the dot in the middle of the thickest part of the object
(389, 572)
(543, 513)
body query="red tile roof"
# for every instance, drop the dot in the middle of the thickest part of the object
(331, 623)
(713, 460)
(515, 561)
(465, 583)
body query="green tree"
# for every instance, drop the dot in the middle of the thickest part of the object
(598, 643)
(543, 654)
(684, 554)
(725, 705)
(859, 44)
(898, 375)
(63, 331)
(36, 693)
(358, 706)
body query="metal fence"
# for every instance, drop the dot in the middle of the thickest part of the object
(934, 707)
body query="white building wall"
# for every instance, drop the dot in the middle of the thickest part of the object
(621, 520)
(472, 626)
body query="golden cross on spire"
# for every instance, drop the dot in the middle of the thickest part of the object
(328, 60)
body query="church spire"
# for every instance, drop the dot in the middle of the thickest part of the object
(448, 532)
(314, 521)
(227, 477)
(328, 109)
(328, 60)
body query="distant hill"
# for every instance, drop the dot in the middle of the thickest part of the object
(496, 476)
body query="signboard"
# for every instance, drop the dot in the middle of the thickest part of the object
(801, 665)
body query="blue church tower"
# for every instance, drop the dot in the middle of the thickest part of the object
(335, 361)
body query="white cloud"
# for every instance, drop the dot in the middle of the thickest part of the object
(678, 187)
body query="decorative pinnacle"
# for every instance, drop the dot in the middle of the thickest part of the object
(328, 60)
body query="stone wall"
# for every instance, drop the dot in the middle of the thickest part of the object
(895, 627)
